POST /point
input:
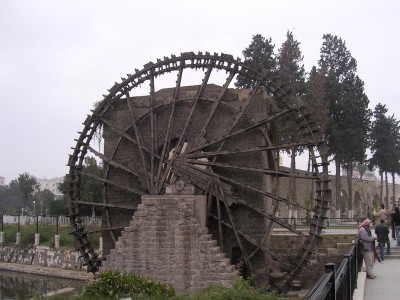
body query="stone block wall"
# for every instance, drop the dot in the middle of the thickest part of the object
(332, 249)
(166, 242)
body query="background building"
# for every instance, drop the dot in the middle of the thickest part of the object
(51, 185)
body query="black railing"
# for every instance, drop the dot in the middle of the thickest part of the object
(339, 284)
(329, 222)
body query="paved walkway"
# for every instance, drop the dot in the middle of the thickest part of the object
(386, 284)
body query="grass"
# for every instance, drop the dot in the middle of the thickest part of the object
(47, 234)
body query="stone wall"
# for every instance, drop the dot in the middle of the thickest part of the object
(332, 249)
(165, 241)
(42, 256)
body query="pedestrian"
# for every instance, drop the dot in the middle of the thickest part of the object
(391, 221)
(396, 223)
(368, 241)
(380, 215)
(382, 232)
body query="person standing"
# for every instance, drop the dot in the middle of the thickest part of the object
(382, 232)
(368, 241)
(380, 215)
(396, 223)
(391, 220)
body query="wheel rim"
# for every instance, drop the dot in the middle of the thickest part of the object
(201, 137)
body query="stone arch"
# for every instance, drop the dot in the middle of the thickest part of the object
(376, 201)
(392, 202)
(367, 208)
(357, 205)
(344, 196)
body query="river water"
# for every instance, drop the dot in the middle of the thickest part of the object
(20, 286)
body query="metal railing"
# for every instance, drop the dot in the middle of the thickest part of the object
(339, 284)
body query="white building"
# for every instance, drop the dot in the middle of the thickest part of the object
(368, 175)
(51, 185)
(2, 180)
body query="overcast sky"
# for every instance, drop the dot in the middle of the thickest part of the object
(58, 57)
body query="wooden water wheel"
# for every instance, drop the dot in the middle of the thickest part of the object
(223, 141)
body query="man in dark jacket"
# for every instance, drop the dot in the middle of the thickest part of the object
(382, 232)
(396, 222)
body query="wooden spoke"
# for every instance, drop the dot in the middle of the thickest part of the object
(246, 186)
(238, 117)
(139, 143)
(213, 109)
(114, 163)
(169, 129)
(207, 154)
(223, 139)
(189, 120)
(256, 244)
(104, 229)
(121, 206)
(133, 190)
(221, 197)
(256, 170)
(219, 219)
(152, 132)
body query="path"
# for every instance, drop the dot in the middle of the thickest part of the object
(385, 285)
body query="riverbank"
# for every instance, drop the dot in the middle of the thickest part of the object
(47, 271)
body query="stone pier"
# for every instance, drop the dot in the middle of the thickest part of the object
(167, 241)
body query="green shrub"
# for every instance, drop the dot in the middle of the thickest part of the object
(115, 285)
(241, 290)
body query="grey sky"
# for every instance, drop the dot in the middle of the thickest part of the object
(58, 57)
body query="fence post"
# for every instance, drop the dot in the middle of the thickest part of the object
(57, 237)
(2, 231)
(37, 234)
(330, 267)
(101, 244)
(350, 274)
(18, 236)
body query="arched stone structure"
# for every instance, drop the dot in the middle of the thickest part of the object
(366, 195)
